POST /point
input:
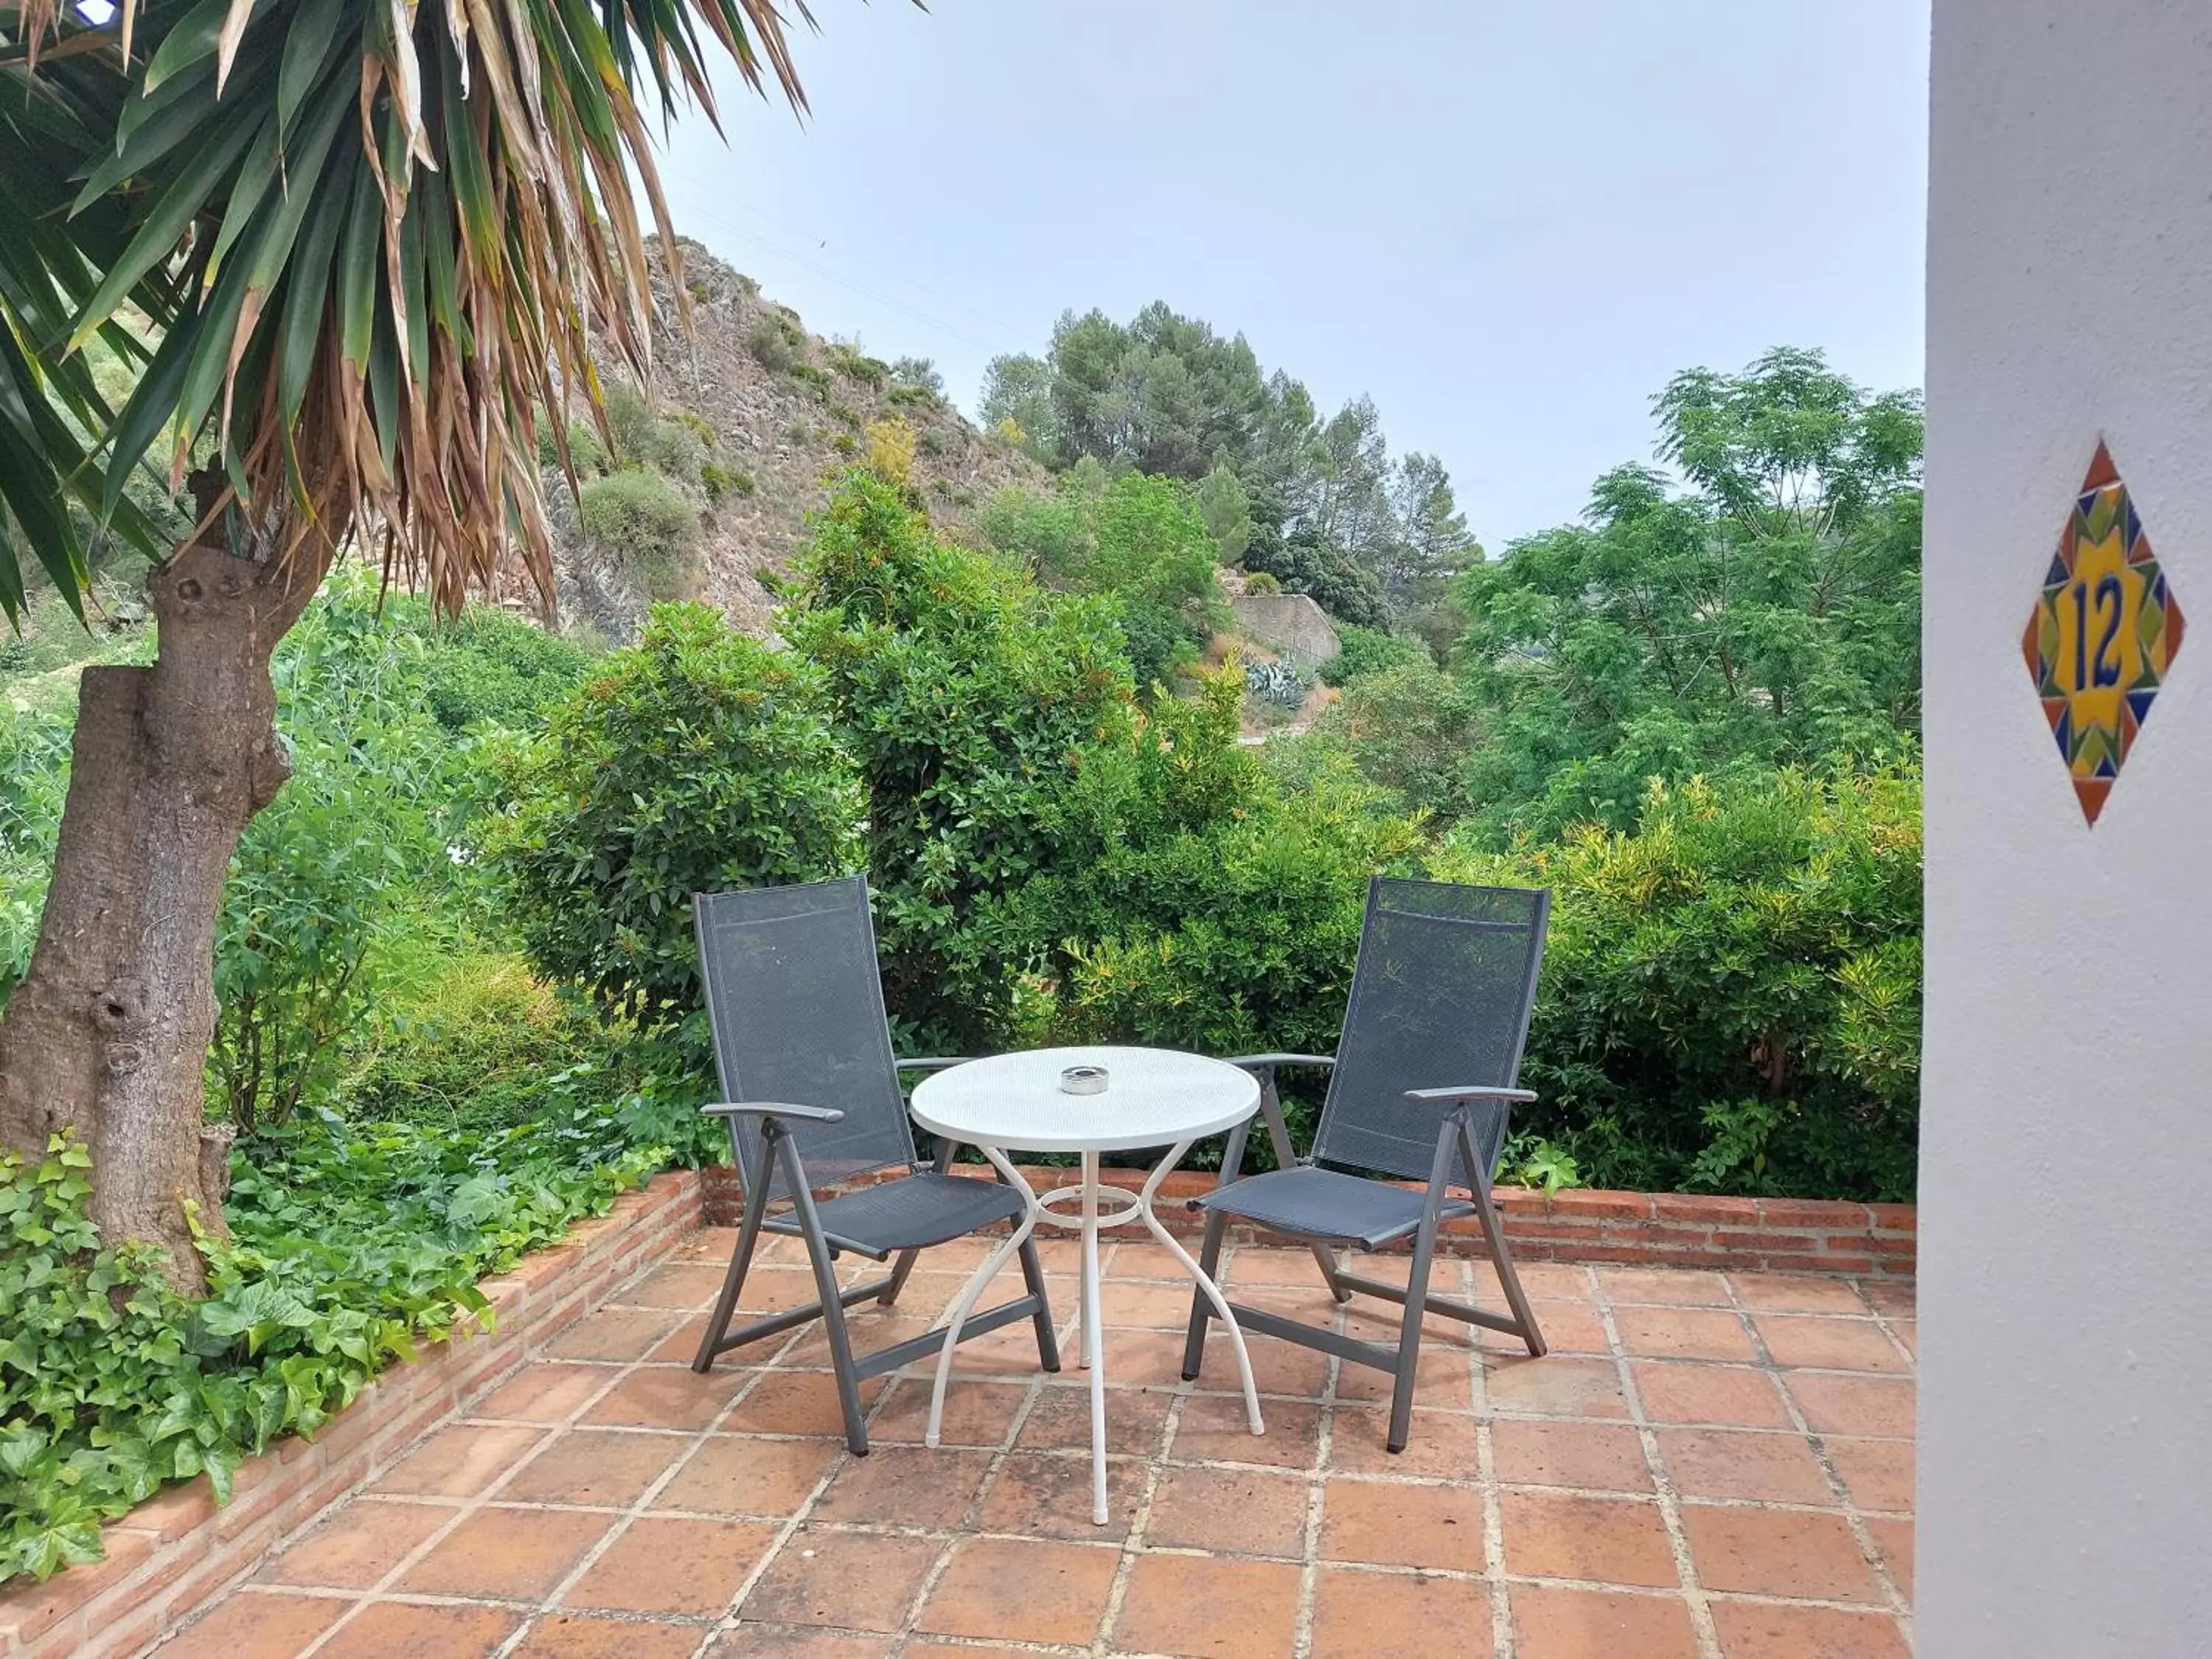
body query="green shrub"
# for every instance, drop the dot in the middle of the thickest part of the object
(645, 520)
(1731, 997)
(676, 444)
(846, 415)
(855, 365)
(1370, 651)
(695, 760)
(1259, 581)
(914, 397)
(845, 444)
(777, 342)
(931, 442)
(1407, 729)
(967, 696)
(35, 757)
(348, 1250)
(816, 379)
(721, 481)
(488, 665)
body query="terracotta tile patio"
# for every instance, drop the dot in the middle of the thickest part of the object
(1710, 1465)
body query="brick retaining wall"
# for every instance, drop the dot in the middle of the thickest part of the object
(177, 1551)
(1652, 1230)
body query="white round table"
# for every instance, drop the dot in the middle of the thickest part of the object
(1152, 1097)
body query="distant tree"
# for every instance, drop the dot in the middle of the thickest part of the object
(1018, 388)
(1352, 510)
(1226, 508)
(920, 374)
(1432, 543)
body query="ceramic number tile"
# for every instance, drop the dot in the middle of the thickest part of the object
(2104, 633)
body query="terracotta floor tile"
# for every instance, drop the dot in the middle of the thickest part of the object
(1669, 1287)
(1908, 1333)
(520, 1554)
(1442, 1380)
(573, 1636)
(356, 1546)
(1600, 1457)
(797, 1402)
(1555, 1281)
(904, 1486)
(975, 1414)
(923, 1649)
(459, 1461)
(1776, 1552)
(1240, 1510)
(1878, 1473)
(1214, 1429)
(1009, 1352)
(1043, 1495)
(1264, 1265)
(1394, 1524)
(1750, 1629)
(1555, 1387)
(1025, 1591)
(546, 1391)
(249, 1626)
(1151, 1307)
(777, 1642)
(1796, 1293)
(1277, 1367)
(740, 1474)
(1439, 1445)
(1151, 1261)
(1843, 1345)
(1777, 1468)
(401, 1630)
(1604, 1540)
(1854, 1405)
(1683, 1334)
(857, 1580)
(1204, 1608)
(1061, 1420)
(1894, 1540)
(1568, 1328)
(682, 1286)
(1690, 1392)
(1361, 1615)
(667, 1564)
(1556, 1622)
(606, 1467)
(866, 1330)
(665, 1397)
(1897, 1298)
(621, 1334)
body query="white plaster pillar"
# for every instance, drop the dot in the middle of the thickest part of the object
(2065, 1476)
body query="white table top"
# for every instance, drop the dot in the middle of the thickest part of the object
(1154, 1097)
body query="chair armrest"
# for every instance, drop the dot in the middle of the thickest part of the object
(935, 1064)
(1268, 1062)
(773, 1109)
(1457, 1096)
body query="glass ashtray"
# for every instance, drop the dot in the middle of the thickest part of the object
(1083, 1081)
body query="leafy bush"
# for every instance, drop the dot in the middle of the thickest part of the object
(846, 445)
(1731, 997)
(916, 380)
(698, 759)
(34, 752)
(486, 666)
(645, 520)
(1409, 730)
(1304, 563)
(890, 450)
(676, 444)
(776, 341)
(348, 1250)
(1259, 581)
(719, 480)
(966, 696)
(1369, 651)
(855, 365)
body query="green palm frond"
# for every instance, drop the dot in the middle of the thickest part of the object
(376, 239)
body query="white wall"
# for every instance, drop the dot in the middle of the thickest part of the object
(2066, 1185)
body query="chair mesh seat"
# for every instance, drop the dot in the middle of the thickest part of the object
(1326, 1204)
(913, 1210)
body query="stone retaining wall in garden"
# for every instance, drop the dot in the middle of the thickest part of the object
(177, 1551)
(1651, 1230)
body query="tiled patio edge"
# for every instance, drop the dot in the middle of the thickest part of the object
(177, 1551)
(1650, 1229)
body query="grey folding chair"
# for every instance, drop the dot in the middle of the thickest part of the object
(1421, 1087)
(814, 1099)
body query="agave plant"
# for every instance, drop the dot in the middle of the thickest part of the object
(364, 243)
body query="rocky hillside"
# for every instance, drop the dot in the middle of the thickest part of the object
(743, 421)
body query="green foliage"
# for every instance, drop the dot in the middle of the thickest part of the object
(966, 695)
(643, 517)
(852, 364)
(1139, 540)
(846, 445)
(675, 445)
(34, 750)
(1770, 618)
(915, 380)
(777, 342)
(1369, 651)
(1407, 729)
(1260, 581)
(1302, 563)
(719, 481)
(695, 760)
(1731, 996)
(486, 665)
(815, 378)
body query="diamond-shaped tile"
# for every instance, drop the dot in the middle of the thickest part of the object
(2104, 633)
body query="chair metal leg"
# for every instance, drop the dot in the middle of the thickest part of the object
(1494, 1235)
(1033, 1276)
(1278, 1137)
(1209, 1261)
(1417, 1295)
(833, 1306)
(733, 1282)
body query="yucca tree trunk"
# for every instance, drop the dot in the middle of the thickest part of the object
(108, 1032)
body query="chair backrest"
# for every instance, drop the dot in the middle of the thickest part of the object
(797, 1002)
(1441, 998)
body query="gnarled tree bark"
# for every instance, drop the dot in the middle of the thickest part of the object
(107, 1034)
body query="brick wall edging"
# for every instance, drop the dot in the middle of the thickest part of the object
(1836, 1237)
(178, 1551)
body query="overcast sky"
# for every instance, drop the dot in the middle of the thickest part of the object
(1508, 220)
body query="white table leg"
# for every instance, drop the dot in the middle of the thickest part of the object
(1199, 1276)
(965, 1301)
(1092, 1344)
